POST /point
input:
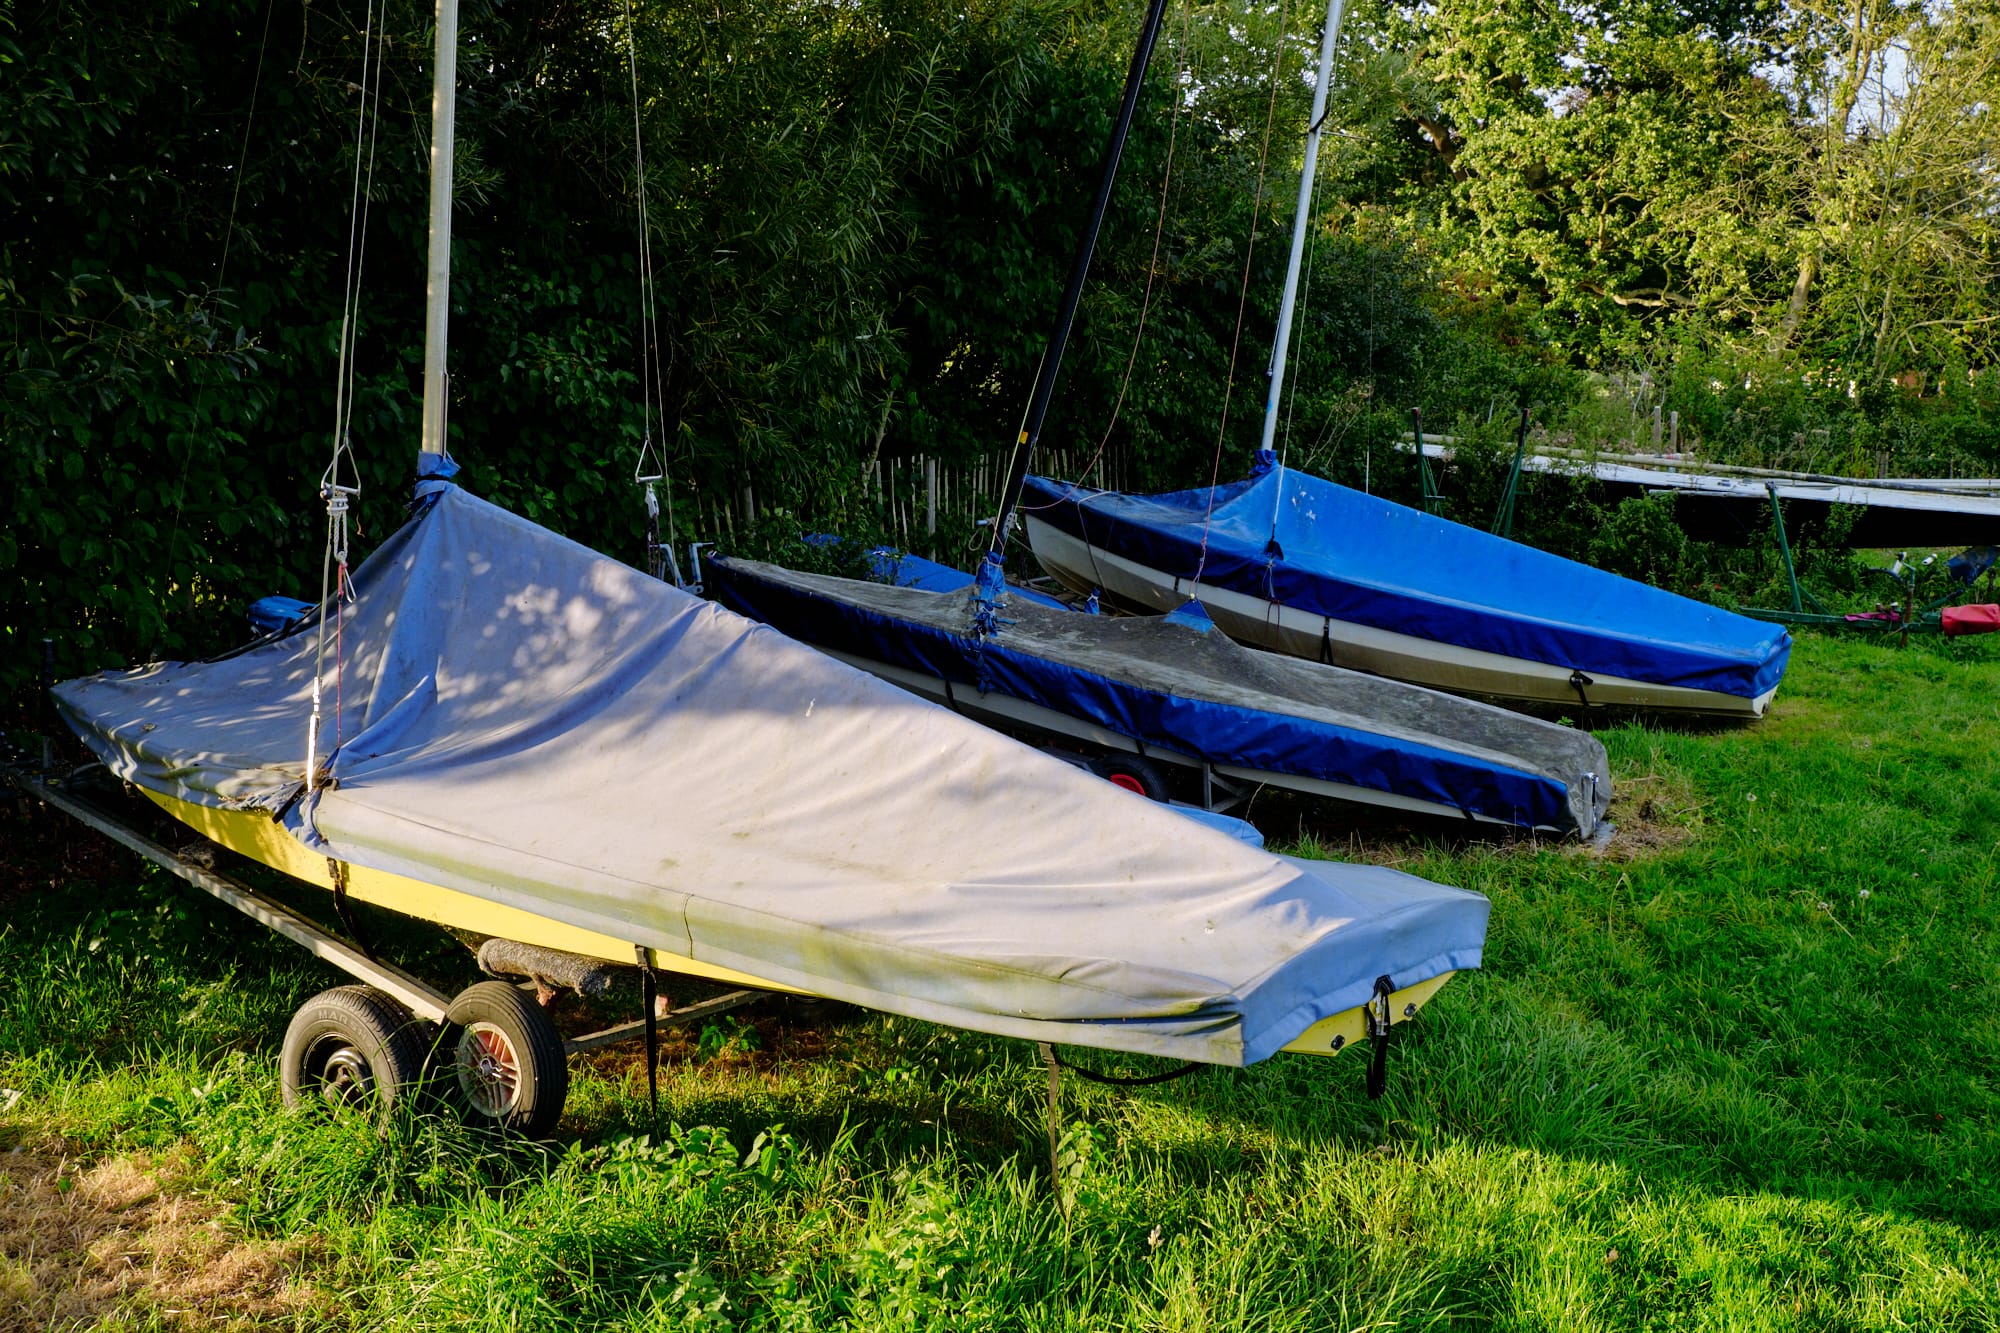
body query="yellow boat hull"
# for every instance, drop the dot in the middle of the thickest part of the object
(255, 835)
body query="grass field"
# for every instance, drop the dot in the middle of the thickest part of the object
(1738, 1073)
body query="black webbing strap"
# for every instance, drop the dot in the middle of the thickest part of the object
(1326, 641)
(649, 986)
(1057, 1064)
(1578, 682)
(1376, 1014)
(338, 870)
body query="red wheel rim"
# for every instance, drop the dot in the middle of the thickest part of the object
(489, 1070)
(1128, 782)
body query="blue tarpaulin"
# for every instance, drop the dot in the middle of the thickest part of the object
(269, 615)
(1173, 684)
(900, 569)
(1300, 541)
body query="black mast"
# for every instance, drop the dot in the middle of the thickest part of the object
(1045, 378)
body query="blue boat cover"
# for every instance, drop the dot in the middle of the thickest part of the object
(1240, 829)
(269, 615)
(900, 569)
(911, 571)
(1174, 683)
(518, 718)
(1300, 541)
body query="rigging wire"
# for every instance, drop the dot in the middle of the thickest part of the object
(652, 383)
(374, 93)
(357, 220)
(243, 153)
(1159, 230)
(336, 589)
(1181, 66)
(1297, 336)
(221, 268)
(1299, 321)
(1243, 295)
(1038, 403)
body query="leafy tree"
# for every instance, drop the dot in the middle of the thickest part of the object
(1892, 186)
(1775, 219)
(861, 217)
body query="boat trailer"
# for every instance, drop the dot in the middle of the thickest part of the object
(493, 1046)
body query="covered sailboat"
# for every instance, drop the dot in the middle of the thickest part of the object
(1167, 688)
(1293, 562)
(1179, 693)
(1289, 561)
(540, 742)
(495, 729)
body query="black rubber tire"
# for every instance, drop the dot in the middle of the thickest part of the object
(501, 1060)
(353, 1047)
(1130, 771)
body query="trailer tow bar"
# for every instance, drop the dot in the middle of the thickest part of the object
(421, 999)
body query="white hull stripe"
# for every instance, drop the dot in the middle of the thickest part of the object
(1445, 666)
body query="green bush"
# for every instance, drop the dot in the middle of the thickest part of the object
(1640, 540)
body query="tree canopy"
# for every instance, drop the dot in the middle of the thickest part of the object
(1775, 218)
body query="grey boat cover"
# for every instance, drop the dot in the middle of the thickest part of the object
(527, 721)
(1176, 683)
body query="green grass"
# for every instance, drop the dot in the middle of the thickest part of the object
(1740, 1076)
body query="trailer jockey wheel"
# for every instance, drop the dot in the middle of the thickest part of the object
(354, 1048)
(507, 1067)
(1135, 773)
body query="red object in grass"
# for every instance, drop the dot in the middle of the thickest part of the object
(1983, 618)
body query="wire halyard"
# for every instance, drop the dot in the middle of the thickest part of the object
(1243, 297)
(1298, 330)
(649, 469)
(1289, 330)
(1181, 67)
(340, 484)
(1298, 336)
(1045, 378)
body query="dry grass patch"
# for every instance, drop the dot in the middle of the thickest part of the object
(1655, 806)
(1651, 814)
(85, 1246)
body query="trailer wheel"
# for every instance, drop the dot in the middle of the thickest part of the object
(354, 1048)
(1135, 773)
(507, 1066)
